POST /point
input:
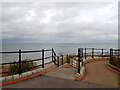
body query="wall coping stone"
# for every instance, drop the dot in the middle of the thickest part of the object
(25, 74)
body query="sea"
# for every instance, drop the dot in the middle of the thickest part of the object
(59, 48)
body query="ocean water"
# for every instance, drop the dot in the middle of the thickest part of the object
(64, 48)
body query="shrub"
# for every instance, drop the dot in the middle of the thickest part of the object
(72, 55)
(116, 61)
(25, 66)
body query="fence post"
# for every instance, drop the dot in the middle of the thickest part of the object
(102, 52)
(42, 58)
(82, 57)
(20, 71)
(67, 59)
(92, 52)
(85, 53)
(58, 62)
(54, 57)
(62, 59)
(118, 52)
(79, 60)
(111, 54)
(52, 54)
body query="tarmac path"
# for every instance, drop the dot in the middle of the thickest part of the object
(57, 78)
(97, 72)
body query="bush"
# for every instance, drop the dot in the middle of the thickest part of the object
(72, 55)
(116, 61)
(26, 66)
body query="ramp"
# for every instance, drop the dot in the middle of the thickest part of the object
(67, 73)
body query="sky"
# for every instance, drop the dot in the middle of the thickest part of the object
(59, 22)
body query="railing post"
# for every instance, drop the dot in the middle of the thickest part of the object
(82, 56)
(67, 59)
(111, 54)
(42, 58)
(102, 52)
(52, 54)
(58, 62)
(20, 71)
(85, 53)
(79, 60)
(118, 52)
(54, 57)
(92, 52)
(62, 59)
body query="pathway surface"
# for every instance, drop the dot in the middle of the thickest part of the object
(97, 72)
(54, 82)
(67, 73)
(97, 76)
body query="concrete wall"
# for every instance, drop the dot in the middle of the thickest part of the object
(25, 74)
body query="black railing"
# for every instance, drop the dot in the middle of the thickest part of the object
(63, 59)
(109, 53)
(95, 52)
(115, 57)
(82, 54)
(92, 52)
(20, 62)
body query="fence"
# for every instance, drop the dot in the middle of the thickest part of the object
(21, 65)
(115, 57)
(82, 54)
(92, 53)
(95, 52)
(25, 65)
(112, 54)
(65, 59)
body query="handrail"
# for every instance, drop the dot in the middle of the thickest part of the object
(95, 49)
(26, 51)
(80, 56)
(19, 62)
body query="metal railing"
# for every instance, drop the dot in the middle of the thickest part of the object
(20, 62)
(82, 53)
(57, 60)
(115, 57)
(109, 53)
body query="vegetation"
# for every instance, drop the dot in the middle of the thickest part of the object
(65, 58)
(14, 68)
(116, 61)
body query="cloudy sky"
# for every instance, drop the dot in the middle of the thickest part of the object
(59, 22)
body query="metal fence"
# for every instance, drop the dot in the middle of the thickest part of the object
(83, 53)
(20, 62)
(58, 60)
(115, 57)
(97, 52)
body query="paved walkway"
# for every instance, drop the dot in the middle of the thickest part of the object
(66, 73)
(44, 81)
(97, 76)
(97, 72)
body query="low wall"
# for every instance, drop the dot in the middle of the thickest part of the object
(26, 75)
(113, 68)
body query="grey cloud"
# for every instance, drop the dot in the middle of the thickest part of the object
(59, 22)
